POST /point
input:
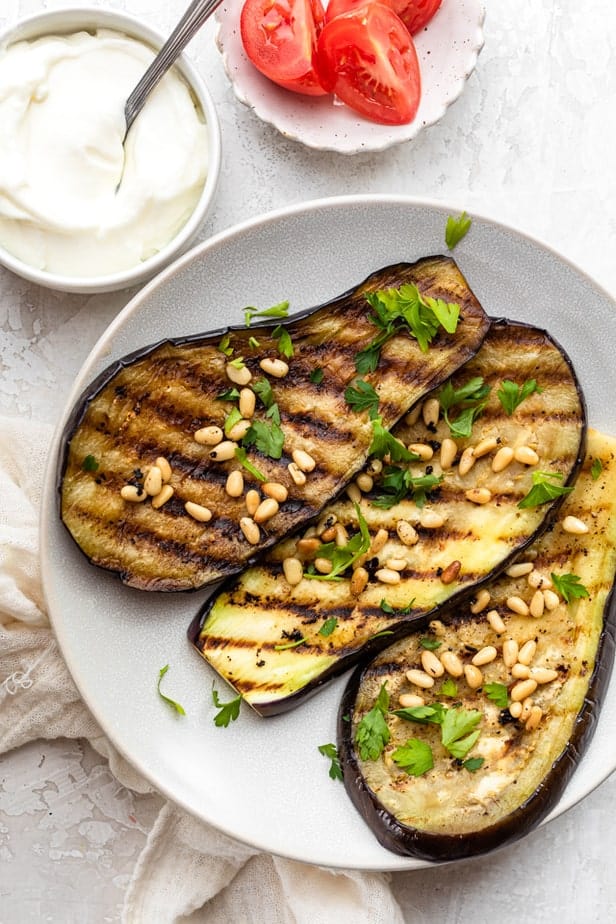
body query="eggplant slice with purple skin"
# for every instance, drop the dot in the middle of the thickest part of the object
(495, 773)
(433, 540)
(150, 405)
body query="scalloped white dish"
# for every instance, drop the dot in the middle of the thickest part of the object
(447, 50)
(263, 781)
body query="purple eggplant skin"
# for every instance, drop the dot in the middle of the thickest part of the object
(151, 402)
(410, 842)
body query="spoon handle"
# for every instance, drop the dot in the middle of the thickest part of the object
(191, 21)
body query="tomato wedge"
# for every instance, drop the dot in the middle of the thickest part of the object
(280, 38)
(415, 14)
(368, 59)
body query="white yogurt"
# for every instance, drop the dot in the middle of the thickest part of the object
(61, 155)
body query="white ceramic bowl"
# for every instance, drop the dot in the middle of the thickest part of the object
(73, 19)
(447, 50)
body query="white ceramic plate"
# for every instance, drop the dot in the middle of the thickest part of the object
(263, 780)
(447, 50)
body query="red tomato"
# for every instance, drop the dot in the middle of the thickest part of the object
(415, 14)
(280, 38)
(368, 59)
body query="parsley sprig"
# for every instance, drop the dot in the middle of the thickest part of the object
(511, 395)
(459, 732)
(415, 757)
(170, 702)
(384, 444)
(569, 586)
(497, 693)
(397, 483)
(281, 310)
(456, 229)
(470, 400)
(331, 751)
(267, 436)
(545, 489)
(342, 557)
(405, 309)
(362, 397)
(372, 733)
(228, 711)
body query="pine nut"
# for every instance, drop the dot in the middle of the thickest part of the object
(165, 469)
(515, 710)
(422, 450)
(208, 436)
(239, 430)
(293, 570)
(297, 476)
(431, 664)
(543, 674)
(420, 679)
(527, 651)
(525, 455)
(538, 580)
(364, 482)
(397, 564)
(413, 415)
(132, 493)
(165, 494)
(485, 656)
(517, 605)
(153, 481)
(520, 671)
(429, 519)
(552, 600)
(481, 601)
(495, 621)
(251, 531)
(430, 410)
(485, 446)
(534, 718)
(523, 689)
(375, 467)
(308, 547)
(473, 676)
(467, 460)
(323, 565)
(452, 663)
(247, 402)
(378, 541)
(527, 705)
(241, 376)
(276, 367)
(387, 576)
(328, 535)
(407, 534)
(353, 493)
(478, 495)
(223, 452)
(275, 490)
(303, 460)
(451, 572)
(575, 526)
(537, 604)
(449, 451)
(253, 499)
(235, 484)
(198, 512)
(502, 459)
(510, 652)
(519, 569)
(410, 700)
(267, 509)
(359, 580)
(341, 536)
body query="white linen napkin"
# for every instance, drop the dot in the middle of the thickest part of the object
(186, 867)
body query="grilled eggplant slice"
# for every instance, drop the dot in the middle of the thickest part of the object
(150, 405)
(532, 701)
(277, 642)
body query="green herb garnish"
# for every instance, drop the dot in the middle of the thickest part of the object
(472, 764)
(430, 644)
(511, 395)
(171, 702)
(569, 587)
(265, 436)
(372, 733)
(231, 419)
(242, 457)
(470, 399)
(362, 397)
(391, 611)
(285, 344)
(228, 711)
(89, 464)
(449, 688)
(545, 489)
(331, 751)
(596, 469)
(224, 345)
(316, 376)
(294, 643)
(342, 557)
(238, 362)
(415, 757)
(458, 731)
(281, 310)
(456, 229)
(230, 394)
(397, 483)
(497, 693)
(253, 343)
(328, 626)
(384, 444)
(263, 390)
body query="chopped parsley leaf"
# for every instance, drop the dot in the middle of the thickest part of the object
(294, 643)
(569, 587)
(430, 644)
(285, 344)
(415, 757)
(511, 395)
(497, 693)
(89, 464)
(470, 399)
(391, 611)
(228, 711)
(362, 397)
(231, 419)
(596, 469)
(384, 444)
(545, 489)
(316, 376)
(449, 688)
(242, 457)
(458, 731)
(263, 390)
(456, 229)
(224, 345)
(397, 483)
(253, 343)
(328, 626)
(472, 764)
(372, 733)
(331, 751)
(171, 702)
(281, 310)
(268, 438)
(342, 557)
(230, 394)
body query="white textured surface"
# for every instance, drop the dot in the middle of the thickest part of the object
(530, 143)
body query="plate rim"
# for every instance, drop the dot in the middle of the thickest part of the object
(48, 502)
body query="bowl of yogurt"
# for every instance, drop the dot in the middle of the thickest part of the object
(81, 208)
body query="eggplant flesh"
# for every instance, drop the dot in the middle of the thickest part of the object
(449, 812)
(151, 403)
(270, 640)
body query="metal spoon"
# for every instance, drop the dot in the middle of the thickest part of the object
(191, 22)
